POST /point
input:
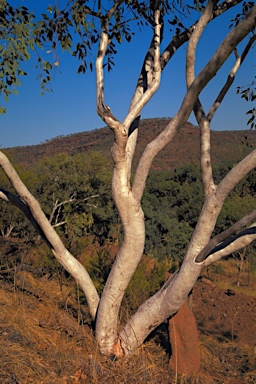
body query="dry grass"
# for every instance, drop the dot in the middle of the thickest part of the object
(45, 337)
(228, 362)
(42, 343)
(33, 338)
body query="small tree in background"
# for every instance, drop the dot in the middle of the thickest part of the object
(107, 27)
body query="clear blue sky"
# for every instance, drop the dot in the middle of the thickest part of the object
(71, 107)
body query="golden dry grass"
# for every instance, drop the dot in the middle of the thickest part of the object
(41, 342)
(46, 338)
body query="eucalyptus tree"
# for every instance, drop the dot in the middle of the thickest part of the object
(106, 24)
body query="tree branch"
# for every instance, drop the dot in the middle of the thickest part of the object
(167, 54)
(205, 144)
(236, 174)
(19, 203)
(70, 200)
(208, 249)
(164, 303)
(185, 35)
(37, 217)
(102, 110)
(230, 79)
(152, 83)
(203, 78)
(235, 243)
(142, 86)
(202, 119)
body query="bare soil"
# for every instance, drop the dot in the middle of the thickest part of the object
(227, 320)
(224, 314)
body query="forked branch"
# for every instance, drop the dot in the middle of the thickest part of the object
(233, 244)
(165, 57)
(209, 248)
(154, 82)
(145, 78)
(202, 79)
(236, 174)
(132, 218)
(166, 302)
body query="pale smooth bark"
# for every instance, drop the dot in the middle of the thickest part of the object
(230, 79)
(170, 298)
(232, 245)
(204, 124)
(219, 239)
(143, 80)
(128, 206)
(207, 73)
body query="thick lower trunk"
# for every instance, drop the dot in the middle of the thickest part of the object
(159, 307)
(175, 291)
(121, 273)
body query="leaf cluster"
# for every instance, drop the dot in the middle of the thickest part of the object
(16, 26)
(246, 6)
(249, 94)
(74, 27)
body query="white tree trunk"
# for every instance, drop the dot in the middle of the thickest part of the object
(170, 298)
(172, 295)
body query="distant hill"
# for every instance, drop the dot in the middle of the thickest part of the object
(184, 149)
